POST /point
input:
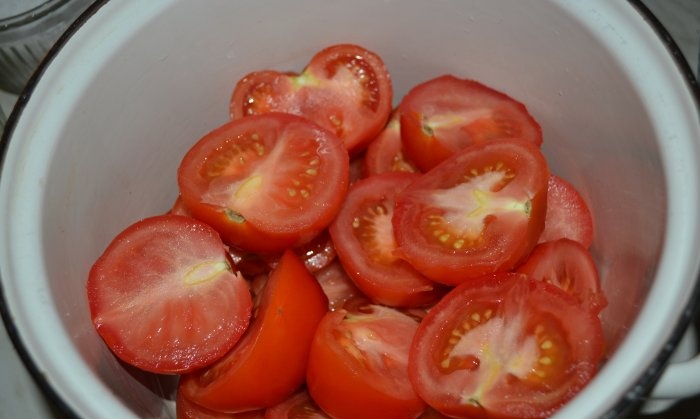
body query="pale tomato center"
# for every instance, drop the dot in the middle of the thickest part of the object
(449, 121)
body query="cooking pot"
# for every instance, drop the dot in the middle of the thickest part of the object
(95, 140)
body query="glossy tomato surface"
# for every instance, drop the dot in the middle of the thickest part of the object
(504, 346)
(358, 366)
(385, 153)
(568, 215)
(344, 88)
(164, 297)
(269, 363)
(480, 211)
(265, 182)
(446, 114)
(298, 406)
(364, 240)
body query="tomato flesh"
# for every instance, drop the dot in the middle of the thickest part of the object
(164, 297)
(568, 215)
(385, 153)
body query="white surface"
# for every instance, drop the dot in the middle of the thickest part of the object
(19, 397)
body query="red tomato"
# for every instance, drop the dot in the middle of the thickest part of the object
(504, 346)
(266, 182)
(385, 154)
(364, 240)
(568, 215)
(269, 362)
(568, 265)
(344, 88)
(179, 208)
(446, 114)
(164, 297)
(299, 406)
(318, 253)
(185, 409)
(480, 211)
(358, 364)
(337, 285)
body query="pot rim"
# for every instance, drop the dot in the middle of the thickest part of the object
(624, 406)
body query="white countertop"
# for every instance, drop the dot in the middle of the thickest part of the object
(20, 397)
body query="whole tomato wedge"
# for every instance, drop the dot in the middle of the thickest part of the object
(363, 236)
(570, 266)
(164, 296)
(269, 362)
(568, 215)
(446, 114)
(385, 153)
(344, 88)
(480, 211)
(358, 365)
(266, 182)
(505, 346)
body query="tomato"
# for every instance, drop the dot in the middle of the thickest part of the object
(568, 265)
(480, 211)
(568, 215)
(385, 154)
(185, 409)
(265, 182)
(344, 88)
(269, 362)
(179, 208)
(446, 114)
(299, 406)
(504, 346)
(337, 285)
(318, 253)
(164, 297)
(364, 240)
(358, 365)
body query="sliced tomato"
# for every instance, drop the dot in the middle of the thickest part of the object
(358, 365)
(318, 253)
(164, 297)
(298, 406)
(480, 211)
(385, 153)
(185, 409)
(337, 286)
(446, 114)
(363, 236)
(265, 182)
(504, 346)
(570, 266)
(344, 88)
(269, 362)
(568, 215)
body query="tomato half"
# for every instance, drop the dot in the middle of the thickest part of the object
(265, 182)
(164, 296)
(385, 153)
(344, 88)
(358, 365)
(446, 114)
(363, 236)
(504, 346)
(480, 211)
(269, 362)
(298, 406)
(570, 266)
(568, 215)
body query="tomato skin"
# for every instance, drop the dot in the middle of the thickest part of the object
(358, 365)
(344, 88)
(385, 154)
(480, 211)
(147, 289)
(298, 406)
(568, 265)
(364, 241)
(337, 286)
(267, 182)
(446, 114)
(568, 215)
(275, 347)
(185, 409)
(504, 346)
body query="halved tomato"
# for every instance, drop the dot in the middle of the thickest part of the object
(298, 406)
(269, 363)
(344, 88)
(480, 211)
(568, 215)
(358, 364)
(447, 114)
(267, 182)
(164, 296)
(570, 266)
(363, 236)
(385, 153)
(504, 346)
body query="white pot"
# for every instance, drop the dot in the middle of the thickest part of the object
(95, 141)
